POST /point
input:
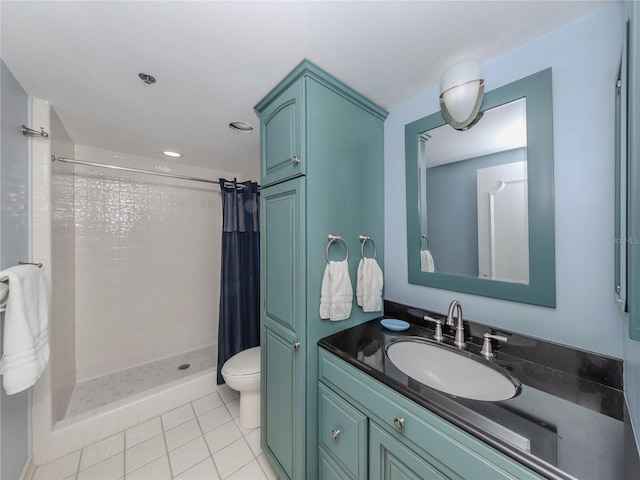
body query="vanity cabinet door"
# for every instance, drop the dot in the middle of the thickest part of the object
(342, 433)
(328, 469)
(389, 459)
(281, 131)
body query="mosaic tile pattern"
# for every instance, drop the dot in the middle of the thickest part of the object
(107, 389)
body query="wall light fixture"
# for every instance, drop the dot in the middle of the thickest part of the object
(461, 91)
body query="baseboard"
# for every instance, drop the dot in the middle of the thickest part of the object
(29, 469)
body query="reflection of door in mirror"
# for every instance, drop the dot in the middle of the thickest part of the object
(449, 166)
(503, 227)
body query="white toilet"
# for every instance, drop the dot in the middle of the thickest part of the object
(242, 373)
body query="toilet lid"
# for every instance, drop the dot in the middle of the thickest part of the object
(246, 362)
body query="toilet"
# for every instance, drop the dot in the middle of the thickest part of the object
(242, 373)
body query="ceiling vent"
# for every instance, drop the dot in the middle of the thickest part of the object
(146, 78)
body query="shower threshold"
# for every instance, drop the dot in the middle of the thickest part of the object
(109, 391)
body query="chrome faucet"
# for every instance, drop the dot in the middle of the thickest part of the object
(459, 340)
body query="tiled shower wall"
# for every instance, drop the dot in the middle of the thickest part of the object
(147, 262)
(62, 332)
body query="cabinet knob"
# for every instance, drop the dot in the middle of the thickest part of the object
(295, 160)
(398, 423)
(295, 345)
(335, 433)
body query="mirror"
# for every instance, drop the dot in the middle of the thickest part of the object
(480, 227)
(480, 212)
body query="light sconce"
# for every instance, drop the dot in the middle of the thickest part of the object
(461, 91)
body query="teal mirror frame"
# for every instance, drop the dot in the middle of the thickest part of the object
(633, 179)
(541, 289)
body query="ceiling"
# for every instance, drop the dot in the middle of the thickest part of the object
(214, 60)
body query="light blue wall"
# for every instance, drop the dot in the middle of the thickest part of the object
(15, 425)
(584, 58)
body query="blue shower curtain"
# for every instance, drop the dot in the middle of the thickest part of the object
(239, 319)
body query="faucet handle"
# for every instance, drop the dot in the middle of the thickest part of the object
(487, 350)
(438, 335)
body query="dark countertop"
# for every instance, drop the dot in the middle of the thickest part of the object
(569, 421)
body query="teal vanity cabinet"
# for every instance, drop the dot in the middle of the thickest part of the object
(388, 436)
(322, 173)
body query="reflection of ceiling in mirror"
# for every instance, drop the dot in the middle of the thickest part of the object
(501, 128)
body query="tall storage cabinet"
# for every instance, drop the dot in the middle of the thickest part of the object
(322, 173)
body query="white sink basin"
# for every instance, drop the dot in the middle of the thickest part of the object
(456, 372)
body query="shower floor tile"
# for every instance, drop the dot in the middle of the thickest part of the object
(99, 392)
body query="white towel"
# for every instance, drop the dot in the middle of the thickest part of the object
(4, 294)
(369, 285)
(26, 328)
(426, 261)
(336, 296)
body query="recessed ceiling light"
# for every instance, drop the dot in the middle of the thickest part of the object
(169, 153)
(241, 127)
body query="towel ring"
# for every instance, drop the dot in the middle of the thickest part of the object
(364, 239)
(424, 237)
(335, 238)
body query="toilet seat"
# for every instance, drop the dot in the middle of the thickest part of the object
(243, 364)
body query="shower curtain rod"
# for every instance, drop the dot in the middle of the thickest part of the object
(136, 170)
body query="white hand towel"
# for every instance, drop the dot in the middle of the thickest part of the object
(325, 294)
(26, 328)
(369, 285)
(336, 296)
(426, 261)
(359, 283)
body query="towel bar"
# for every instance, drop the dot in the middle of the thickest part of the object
(39, 265)
(4, 288)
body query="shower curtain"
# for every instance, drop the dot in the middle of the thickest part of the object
(239, 319)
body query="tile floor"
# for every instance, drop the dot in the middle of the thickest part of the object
(200, 440)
